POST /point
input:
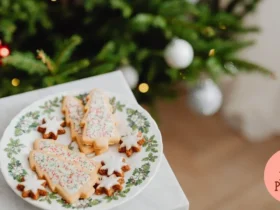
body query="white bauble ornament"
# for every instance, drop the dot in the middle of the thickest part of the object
(131, 75)
(205, 97)
(178, 54)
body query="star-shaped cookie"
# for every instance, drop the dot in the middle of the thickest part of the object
(113, 165)
(109, 185)
(32, 187)
(51, 128)
(131, 143)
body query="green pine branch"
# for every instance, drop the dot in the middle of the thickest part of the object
(108, 49)
(74, 67)
(103, 68)
(26, 13)
(214, 68)
(7, 28)
(142, 22)
(66, 50)
(91, 4)
(176, 8)
(250, 29)
(122, 6)
(47, 61)
(230, 47)
(116, 33)
(25, 62)
(243, 65)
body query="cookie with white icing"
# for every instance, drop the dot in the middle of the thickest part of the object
(69, 180)
(73, 109)
(51, 128)
(109, 185)
(32, 187)
(74, 157)
(99, 125)
(131, 143)
(113, 165)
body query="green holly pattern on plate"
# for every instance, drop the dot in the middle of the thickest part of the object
(117, 106)
(136, 120)
(15, 169)
(50, 105)
(27, 123)
(139, 175)
(151, 158)
(49, 197)
(117, 195)
(82, 97)
(13, 147)
(80, 204)
(150, 144)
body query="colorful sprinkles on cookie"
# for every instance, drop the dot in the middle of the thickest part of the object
(53, 148)
(99, 126)
(72, 175)
(73, 109)
(69, 180)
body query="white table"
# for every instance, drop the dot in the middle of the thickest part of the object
(163, 193)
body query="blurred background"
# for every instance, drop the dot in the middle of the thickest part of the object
(207, 70)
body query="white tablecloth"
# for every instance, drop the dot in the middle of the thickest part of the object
(164, 191)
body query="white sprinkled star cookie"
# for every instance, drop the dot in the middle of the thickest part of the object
(32, 187)
(131, 143)
(109, 185)
(51, 128)
(99, 125)
(73, 109)
(113, 165)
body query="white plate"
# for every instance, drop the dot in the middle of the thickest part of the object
(19, 136)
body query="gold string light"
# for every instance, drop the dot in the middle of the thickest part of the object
(222, 26)
(143, 88)
(209, 31)
(15, 82)
(211, 52)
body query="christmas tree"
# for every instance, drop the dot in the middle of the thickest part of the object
(157, 43)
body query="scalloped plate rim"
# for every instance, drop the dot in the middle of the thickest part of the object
(74, 92)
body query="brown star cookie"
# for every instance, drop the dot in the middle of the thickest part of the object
(113, 165)
(32, 187)
(51, 128)
(131, 143)
(109, 185)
